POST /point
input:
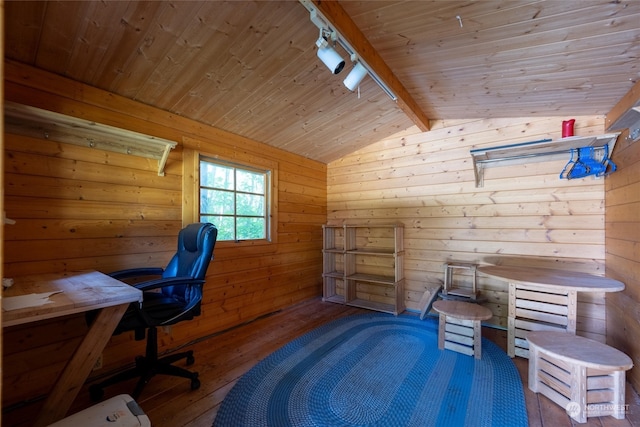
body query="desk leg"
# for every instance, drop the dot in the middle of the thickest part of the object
(442, 324)
(579, 391)
(572, 312)
(477, 339)
(77, 370)
(511, 319)
(534, 367)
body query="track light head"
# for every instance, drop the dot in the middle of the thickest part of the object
(329, 56)
(356, 75)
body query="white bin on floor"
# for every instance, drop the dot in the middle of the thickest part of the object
(119, 411)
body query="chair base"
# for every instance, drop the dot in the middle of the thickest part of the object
(147, 367)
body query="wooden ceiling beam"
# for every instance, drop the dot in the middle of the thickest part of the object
(342, 22)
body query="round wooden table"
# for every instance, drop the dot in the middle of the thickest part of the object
(460, 328)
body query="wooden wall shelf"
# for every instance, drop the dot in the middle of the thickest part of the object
(630, 119)
(505, 155)
(35, 122)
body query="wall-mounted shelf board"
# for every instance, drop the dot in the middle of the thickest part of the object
(630, 119)
(510, 154)
(35, 122)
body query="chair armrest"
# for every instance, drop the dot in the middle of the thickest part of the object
(137, 272)
(169, 281)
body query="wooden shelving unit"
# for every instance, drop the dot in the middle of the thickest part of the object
(511, 154)
(363, 266)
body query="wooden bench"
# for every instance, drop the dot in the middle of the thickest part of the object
(584, 376)
(460, 329)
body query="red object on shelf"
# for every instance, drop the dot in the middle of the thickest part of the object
(567, 127)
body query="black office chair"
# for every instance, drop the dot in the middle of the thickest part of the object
(174, 297)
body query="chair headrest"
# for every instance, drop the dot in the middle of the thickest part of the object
(190, 236)
(195, 251)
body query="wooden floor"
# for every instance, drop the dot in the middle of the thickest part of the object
(222, 359)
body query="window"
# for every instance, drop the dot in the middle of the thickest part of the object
(236, 191)
(236, 199)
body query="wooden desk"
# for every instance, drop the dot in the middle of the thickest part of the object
(544, 299)
(81, 292)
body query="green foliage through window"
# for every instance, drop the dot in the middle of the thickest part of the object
(235, 199)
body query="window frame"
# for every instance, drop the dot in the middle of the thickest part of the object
(235, 192)
(191, 193)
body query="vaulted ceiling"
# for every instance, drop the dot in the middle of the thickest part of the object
(250, 67)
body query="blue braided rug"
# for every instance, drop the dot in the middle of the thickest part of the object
(376, 370)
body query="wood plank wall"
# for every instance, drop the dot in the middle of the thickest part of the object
(1, 185)
(81, 208)
(524, 214)
(622, 229)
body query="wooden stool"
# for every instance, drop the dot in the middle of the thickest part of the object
(459, 294)
(581, 375)
(459, 329)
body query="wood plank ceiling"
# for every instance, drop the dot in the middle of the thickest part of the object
(250, 67)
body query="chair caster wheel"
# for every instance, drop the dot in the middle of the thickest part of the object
(96, 392)
(195, 384)
(190, 360)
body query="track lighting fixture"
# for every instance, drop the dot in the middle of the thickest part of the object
(356, 75)
(333, 60)
(329, 56)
